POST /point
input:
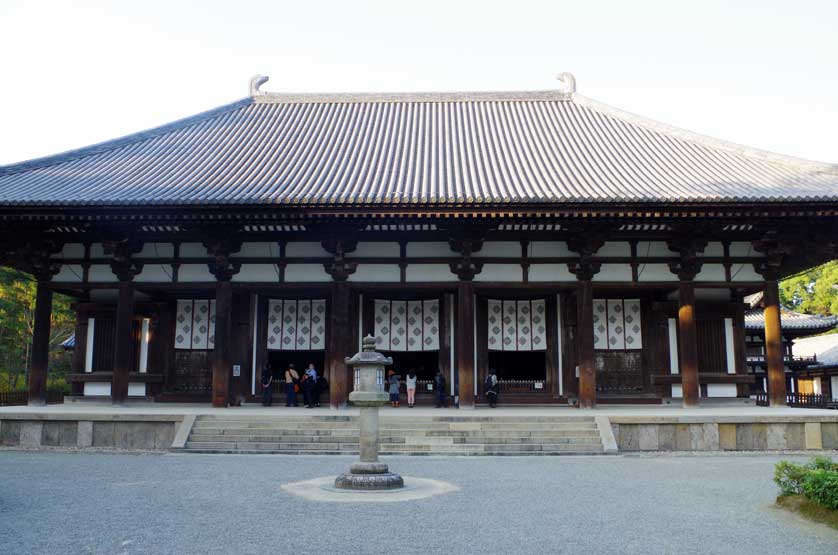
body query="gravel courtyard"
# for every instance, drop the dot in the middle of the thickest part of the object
(68, 503)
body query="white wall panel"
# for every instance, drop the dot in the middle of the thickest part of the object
(730, 350)
(258, 249)
(377, 273)
(198, 273)
(191, 250)
(677, 391)
(102, 389)
(721, 390)
(499, 248)
(429, 272)
(714, 249)
(97, 250)
(101, 273)
(136, 389)
(258, 272)
(541, 249)
(744, 272)
(158, 250)
(615, 248)
(72, 250)
(155, 273)
(306, 249)
(374, 249)
(653, 249)
(655, 272)
(743, 248)
(500, 272)
(550, 272)
(306, 272)
(70, 273)
(672, 329)
(419, 249)
(711, 272)
(614, 272)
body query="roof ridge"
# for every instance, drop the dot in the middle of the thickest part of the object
(705, 140)
(263, 97)
(113, 144)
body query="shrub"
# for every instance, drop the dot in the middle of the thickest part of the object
(821, 486)
(823, 463)
(789, 477)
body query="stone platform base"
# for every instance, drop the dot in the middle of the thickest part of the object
(322, 489)
(370, 476)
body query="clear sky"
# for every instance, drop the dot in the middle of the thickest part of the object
(763, 73)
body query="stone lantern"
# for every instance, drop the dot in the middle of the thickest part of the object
(369, 473)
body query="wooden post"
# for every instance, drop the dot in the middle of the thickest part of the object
(465, 343)
(688, 340)
(339, 337)
(774, 346)
(221, 361)
(585, 343)
(39, 360)
(122, 363)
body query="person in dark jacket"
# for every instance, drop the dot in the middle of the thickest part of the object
(439, 389)
(491, 387)
(322, 387)
(307, 384)
(267, 385)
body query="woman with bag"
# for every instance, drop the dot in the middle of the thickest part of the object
(292, 385)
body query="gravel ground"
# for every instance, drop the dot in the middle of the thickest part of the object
(68, 503)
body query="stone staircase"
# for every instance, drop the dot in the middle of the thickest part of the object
(429, 435)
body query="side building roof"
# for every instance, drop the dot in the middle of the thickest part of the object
(791, 321)
(518, 148)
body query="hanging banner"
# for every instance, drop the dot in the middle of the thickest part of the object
(296, 324)
(195, 324)
(517, 325)
(617, 324)
(406, 325)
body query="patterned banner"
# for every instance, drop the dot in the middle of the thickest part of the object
(517, 325)
(195, 325)
(407, 325)
(296, 325)
(617, 324)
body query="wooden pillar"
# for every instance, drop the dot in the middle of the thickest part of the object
(465, 343)
(585, 343)
(122, 363)
(774, 346)
(221, 360)
(39, 360)
(339, 339)
(688, 340)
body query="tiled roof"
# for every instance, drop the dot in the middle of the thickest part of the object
(755, 320)
(372, 149)
(824, 347)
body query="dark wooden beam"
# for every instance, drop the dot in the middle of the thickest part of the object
(338, 347)
(465, 343)
(222, 364)
(122, 363)
(585, 343)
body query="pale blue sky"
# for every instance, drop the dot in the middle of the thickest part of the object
(762, 73)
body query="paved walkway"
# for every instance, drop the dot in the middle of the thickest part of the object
(720, 409)
(66, 503)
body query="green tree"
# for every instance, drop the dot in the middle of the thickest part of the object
(814, 291)
(17, 310)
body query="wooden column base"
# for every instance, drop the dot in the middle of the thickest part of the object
(39, 361)
(688, 340)
(585, 331)
(774, 346)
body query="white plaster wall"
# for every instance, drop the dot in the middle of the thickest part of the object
(714, 249)
(721, 390)
(72, 250)
(614, 272)
(306, 249)
(541, 249)
(550, 272)
(500, 248)
(101, 272)
(429, 249)
(429, 272)
(193, 250)
(372, 249)
(258, 272)
(97, 250)
(195, 272)
(501, 272)
(155, 273)
(720, 295)
(711, 272)
(744, 272)
(260, 249)
(136, 390)
(655, 272)
(653, 248)
(97, 388)
(615, 248)
(377, 273)
(743, 248)
(70, 273)
(306, 272)
(157, 250)
(677, 391)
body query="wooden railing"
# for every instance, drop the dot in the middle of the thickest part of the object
(522, 386)
(800, 400)
(10, 398)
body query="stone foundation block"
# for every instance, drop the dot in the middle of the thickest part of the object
(59, 434)
(704, 437)
(666, 437)
(31, 433)
(629, 440)
(829, 435)
(751, 437)
(10, 433)
(727, 437)
(647, 437)
(84, 434)
(813, 435)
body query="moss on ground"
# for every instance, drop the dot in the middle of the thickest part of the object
(809, 509)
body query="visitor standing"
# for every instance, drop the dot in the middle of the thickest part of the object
(439, 389)
(322, 387)
(393, 387)
(311, 372)
(292, 384)
(307, 385)
(491, 387)
(267, 385)
(410, 383)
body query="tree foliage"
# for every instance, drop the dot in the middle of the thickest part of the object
(814, 291)
(17, 311)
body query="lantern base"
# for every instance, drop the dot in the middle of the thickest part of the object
(369, 476)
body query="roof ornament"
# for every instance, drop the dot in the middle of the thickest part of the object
(569, 81)
(257, 81)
